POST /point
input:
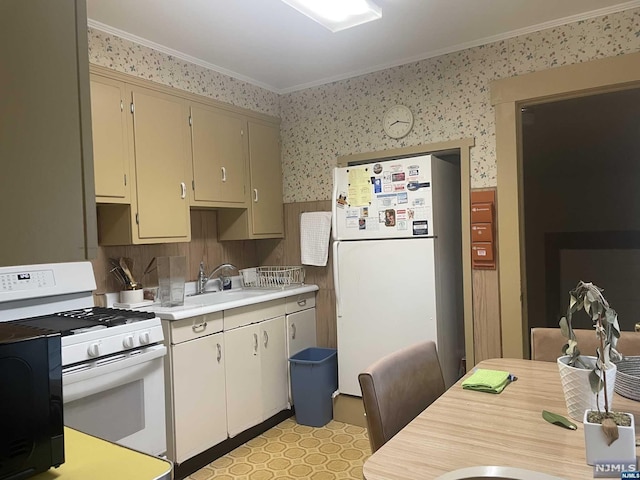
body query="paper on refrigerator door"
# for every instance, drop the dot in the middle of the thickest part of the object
(359, 187)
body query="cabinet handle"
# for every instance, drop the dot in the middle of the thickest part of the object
(200, 327)
(183, 190)
(219, 356)
(293, 331)
(255, 344)
(302, 302)
(255, 195)
(266, 338)
(224, 174)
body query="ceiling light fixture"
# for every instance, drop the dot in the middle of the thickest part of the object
(337, 15)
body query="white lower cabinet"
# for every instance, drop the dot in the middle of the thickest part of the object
(244, 408)
(223, 381)
(301, 330)
(257, 382)
(196, 399)
(300, 326)
(273, 367)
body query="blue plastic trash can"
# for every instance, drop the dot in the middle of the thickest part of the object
(314, 378)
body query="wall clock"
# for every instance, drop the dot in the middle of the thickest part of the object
(397, 121)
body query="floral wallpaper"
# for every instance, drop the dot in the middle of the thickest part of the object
(128, 57)
(449, 96)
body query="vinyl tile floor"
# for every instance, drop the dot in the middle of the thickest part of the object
(290, 451)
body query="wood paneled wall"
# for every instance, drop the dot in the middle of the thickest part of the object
(248, 253)
(204, 246)
(286, 251)
(487, 336)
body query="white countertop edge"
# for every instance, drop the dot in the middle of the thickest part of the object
(188, 311)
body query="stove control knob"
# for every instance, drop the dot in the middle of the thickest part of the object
(93, 350)
(144, 338)
(127, 342)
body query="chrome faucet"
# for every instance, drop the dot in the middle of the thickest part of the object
(203, 278)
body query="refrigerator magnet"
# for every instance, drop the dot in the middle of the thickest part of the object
(377, 168)
(341, 201)
(390, 218)
(351, 222)
(377, 185)
(420, 227)
(397, 177)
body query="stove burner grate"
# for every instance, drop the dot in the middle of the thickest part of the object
(107, 316)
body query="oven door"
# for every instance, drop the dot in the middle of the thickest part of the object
(119, 398)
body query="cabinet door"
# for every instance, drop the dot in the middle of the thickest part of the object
(47, 194)
(199, 399)
(301, 331)
(274, 366)
(218, 142)
(266, 179)
(301, 334)
(244, 407)
(110, 141)
(160, 124)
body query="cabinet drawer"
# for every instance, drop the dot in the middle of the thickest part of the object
(237, 317)
(301, 302)
(178, 331)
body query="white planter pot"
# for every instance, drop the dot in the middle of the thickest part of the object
(577, 390)
(623, 450)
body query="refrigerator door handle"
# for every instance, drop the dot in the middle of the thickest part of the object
(334, 222)
(336, 281)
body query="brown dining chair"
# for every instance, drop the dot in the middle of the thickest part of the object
(396, 388)
(547, 343)
(495, 473)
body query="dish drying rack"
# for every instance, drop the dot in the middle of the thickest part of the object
(269, 277)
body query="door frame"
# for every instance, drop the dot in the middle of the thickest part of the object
(509, 96)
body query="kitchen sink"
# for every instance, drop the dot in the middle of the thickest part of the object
(214, 298)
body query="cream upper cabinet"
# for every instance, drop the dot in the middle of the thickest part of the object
(219, 153)
(110, 140)
(266, 179)
(159, 210)
(48, 211)
(161, 151)
(264, 217)
(160, 123)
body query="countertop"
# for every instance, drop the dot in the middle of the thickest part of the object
(88, 457)
(195, 305)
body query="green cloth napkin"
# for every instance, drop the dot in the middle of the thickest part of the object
(490, 381)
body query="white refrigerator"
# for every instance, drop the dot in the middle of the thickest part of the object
(397, 262)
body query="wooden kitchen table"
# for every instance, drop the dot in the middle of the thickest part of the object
(465, 428)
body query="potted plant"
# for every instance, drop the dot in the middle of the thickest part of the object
(588, 382)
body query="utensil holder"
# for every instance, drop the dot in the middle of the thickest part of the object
(131, 296)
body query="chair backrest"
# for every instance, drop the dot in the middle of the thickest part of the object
(397, 388)
(495, 473)
(546, 343)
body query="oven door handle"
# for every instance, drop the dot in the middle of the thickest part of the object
(96, 368)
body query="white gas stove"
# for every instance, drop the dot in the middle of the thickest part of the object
(113, 366)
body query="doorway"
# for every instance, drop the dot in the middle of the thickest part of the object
(581, 165)
(509, 96)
